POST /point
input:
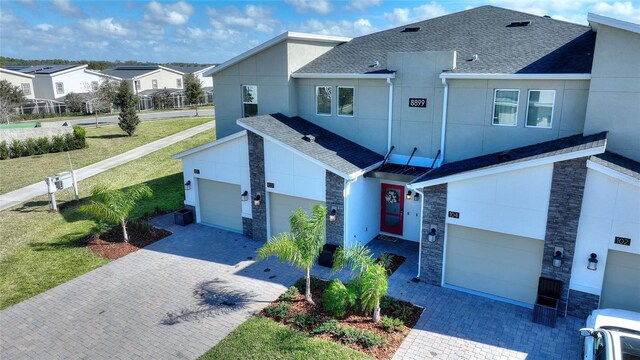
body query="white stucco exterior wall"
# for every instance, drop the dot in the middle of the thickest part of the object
(77, 81)
(291, 174)
(363, 211)
(18, 80)
(514, 202)
(610, 208)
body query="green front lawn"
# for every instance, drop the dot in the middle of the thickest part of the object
(263, 338)
(40, 250)
(104, 142)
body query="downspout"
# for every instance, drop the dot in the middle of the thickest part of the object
(421, 227)
(345, 197)
(390, 120)
(445, 100)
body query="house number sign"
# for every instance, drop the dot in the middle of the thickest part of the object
(622, 241)
(454, 214)
(418, 102)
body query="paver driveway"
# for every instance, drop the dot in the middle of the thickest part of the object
(171, 300)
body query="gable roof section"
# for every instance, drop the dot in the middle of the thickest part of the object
(334, 153)
(617, 166)
(190, 69)
(132, 72)
(545, 46)
(210, 145)
(543, 153)
(595, 20)
(16, 73)
(276, 40)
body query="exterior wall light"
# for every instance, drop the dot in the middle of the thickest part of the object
(245, 195)
(333, 214)
(256, 200)
(557, 259)
(409, 195)
(593, 262)
(431, 237)
(416, 197)
(187, 185)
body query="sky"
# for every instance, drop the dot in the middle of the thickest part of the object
(211, 32)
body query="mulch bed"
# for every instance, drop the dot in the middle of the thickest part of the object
(396, 308)
(396, 261)
(111, 244)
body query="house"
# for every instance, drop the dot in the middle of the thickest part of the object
(505, 144)
(21, 80)
(147, 80)
(198, 72)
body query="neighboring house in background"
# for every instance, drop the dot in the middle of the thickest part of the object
(504, 143)
(21, 80)
(206, 81)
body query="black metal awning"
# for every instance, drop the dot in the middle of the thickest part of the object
(397, 172)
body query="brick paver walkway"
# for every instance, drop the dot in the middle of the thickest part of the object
(171, 300)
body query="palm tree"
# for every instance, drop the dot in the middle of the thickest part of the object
(302, 246)
(371, 276)
(114, 205)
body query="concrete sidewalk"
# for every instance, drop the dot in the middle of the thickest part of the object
(27, 193)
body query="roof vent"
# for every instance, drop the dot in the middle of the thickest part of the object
(411, 29)
(310, 138)
(505, 156)
(375, 64)
(519, 23)
(473, 57)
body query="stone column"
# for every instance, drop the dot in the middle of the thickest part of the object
(435, 209)
(334, 188)
(256, 174)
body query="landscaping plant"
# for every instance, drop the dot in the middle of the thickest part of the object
(303, 245)
(278, 312)
(391, 324)
(127, 100)
(291, 294)
(193, 90)
(114, 205)
(336, 299)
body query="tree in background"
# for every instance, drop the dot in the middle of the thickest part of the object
(74, 102)
(101, 98)
(193, 90)
(162, 100)
(126, 100)
(11, 97)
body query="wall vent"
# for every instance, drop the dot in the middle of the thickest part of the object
(519, 23)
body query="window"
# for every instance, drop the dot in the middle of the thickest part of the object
(154, 83)
(540, 108)
(59, 88)
(94, 86)
(345, 101)
(137, 85)
(179, 83)
(323, 100)
(249, 100)
(505, 107)
(599, 346)
(26, 88)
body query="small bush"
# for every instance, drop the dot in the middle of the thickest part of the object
(80, 135)
(395, 308)
(4, 150)
(57, 144)
(391, 324)
(16, 149)
(364, 338)
(100, 228)
(336, 299)
(301, 283)
(291, 294)
(69, 142)
(43, 145)
(328, 327)
(278, 312)
(304, 320)
(30, 146)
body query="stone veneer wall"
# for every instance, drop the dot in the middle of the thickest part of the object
(581, 304)
(435, 208)
(247, 226)
(565, 204)
(256, 174)
(334, 197)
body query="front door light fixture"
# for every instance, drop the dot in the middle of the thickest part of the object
(256, 200)
(593, 262)
(333, 214)
(187, 185)
(244, 196)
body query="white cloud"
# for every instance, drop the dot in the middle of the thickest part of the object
(620, 10)
(96, 45)
(67, 8)
(44, 27)
(29, 3)
(342, 27)
(170, 14)
(105, 27)
(253, 17)
(402, 16)
(322, 7)
(362, 4)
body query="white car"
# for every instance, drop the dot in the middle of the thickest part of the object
(612, 334)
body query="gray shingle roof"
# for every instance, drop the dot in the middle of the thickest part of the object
(44, 69)
(328, 148)
(545, 46)
(618, 163)
(560, 146)
(129, 72)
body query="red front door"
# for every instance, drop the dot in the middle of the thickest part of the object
(392, 207)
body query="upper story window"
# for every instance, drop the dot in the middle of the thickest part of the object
(26, 88)
(540, 108)
(94, 86)
(249, 100)
(154, 83)
(59, 88)
(179, 83)
(345, 100)
(323, 100)
(137, 85)
(505, 107)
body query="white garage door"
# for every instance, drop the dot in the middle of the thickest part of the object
(282, 206)
(498, 264)
(220, 204)
(621, 286)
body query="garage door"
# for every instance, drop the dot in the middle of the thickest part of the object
(621, 286)
(220, 204)
(282, 206)
(498, 264)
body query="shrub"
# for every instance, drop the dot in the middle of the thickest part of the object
(57, 144)
(278, 312)
(301, 283)
(304, 320)
(16, 149)
(395, 308)
(80, 135)
(100, 228)
(350, 335)
(328, 327)
(42, 145)
(4, 150)
(69, 142)
(30, 146)
(336, 299)
(291, 294)
(391, 324)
